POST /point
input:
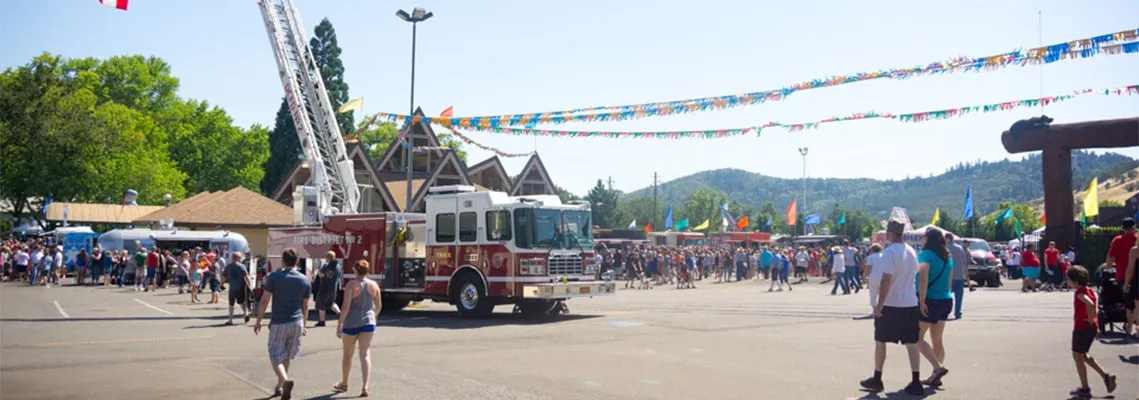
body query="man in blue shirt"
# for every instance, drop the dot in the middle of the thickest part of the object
(287, 324)
(765, 263)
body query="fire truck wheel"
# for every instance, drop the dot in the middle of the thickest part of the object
(470, 297)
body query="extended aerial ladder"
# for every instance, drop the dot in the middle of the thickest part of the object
(333, 187)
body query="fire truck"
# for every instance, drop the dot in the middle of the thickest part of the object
(473, 249)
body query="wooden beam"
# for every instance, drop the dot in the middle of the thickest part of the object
(1079, 135)
(1059, 206)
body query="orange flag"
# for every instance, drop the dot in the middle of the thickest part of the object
(791, 216)
(1044, 219)
(448, 112)
(648, 227)
(742, 223)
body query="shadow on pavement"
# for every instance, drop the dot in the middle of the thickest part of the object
(452, 320)
(97, 319)
(895, 395)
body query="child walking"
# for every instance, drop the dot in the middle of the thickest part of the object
(1084, 333)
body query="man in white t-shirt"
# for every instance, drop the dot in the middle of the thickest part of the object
(872, 274)
(897, 312)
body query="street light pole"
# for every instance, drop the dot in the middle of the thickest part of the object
(416, 16)
(803, 205)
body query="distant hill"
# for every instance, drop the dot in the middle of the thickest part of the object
(993, 182)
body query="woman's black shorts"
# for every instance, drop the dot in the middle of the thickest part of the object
(937, 310)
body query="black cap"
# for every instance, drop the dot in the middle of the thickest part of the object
(1128, 223)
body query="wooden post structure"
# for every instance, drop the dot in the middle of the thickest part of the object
(1056, 143)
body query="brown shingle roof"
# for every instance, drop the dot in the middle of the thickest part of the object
(98, 213)
(238, 206)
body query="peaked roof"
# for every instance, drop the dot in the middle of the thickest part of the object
(534, 164)
(299, 170)
(238, 206)
(449, 158)
(494, 164)
(97, 213)
(357, 154)
(421, 128)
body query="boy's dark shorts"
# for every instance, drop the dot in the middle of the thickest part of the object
(236, 295)
(937, 309)
(1082, 339)
(897, 325)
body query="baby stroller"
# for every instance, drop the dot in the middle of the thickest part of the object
(1112, 309)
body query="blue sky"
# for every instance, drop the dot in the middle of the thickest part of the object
(500, 57)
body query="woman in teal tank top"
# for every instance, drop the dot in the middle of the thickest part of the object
(936, 300)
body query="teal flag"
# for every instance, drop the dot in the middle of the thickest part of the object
(682, 224)
(1018, 232)
(1005, 215)
(841, 220)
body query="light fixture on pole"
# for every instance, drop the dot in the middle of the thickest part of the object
(416, 16)
(803, 205)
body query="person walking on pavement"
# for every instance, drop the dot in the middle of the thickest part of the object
(236, 276)
(327, 285)
(287, 324)
(959, 272)
(897, 314)
(853, 275)
(357, 325)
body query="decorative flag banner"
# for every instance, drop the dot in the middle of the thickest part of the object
(351, 105)
(496, 152)
(1070, 50)
(796, 127)
(119, 4)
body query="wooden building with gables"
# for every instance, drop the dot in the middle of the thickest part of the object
(383, 183)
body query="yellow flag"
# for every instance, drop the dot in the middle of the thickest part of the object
(936, 216)
(354, 104)
(702, 226)
(1091, 200)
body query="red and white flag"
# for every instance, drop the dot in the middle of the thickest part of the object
(119, 4)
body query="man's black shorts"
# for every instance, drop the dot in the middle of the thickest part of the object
(897, 325)
(236, 295)
(1134, 293)
(937, 310)
(1082, 339)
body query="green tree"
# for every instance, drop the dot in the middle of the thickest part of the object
(215, 154)
(377, 138)
(284, 150)
(604, 203)
(638, 208)
(702, 205)
(326, 51)
(1110, 203)
(566, 196)
(284, 146)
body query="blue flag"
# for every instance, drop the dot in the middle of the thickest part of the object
(969, 202)
(766, 225)
(668, 218)
(812, 219)
(46, 203)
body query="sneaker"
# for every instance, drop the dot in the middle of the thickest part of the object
(1081, 392)
(873, 385)
(287, 390)
(934, 379)
(915, 389)
(1109, 381)
(321, 323)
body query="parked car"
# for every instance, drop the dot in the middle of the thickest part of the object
(984, 267)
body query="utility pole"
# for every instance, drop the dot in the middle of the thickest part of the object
(610, 183)
(655, 207)
(803, 205)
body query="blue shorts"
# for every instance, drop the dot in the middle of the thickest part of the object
(151, 273)
(1030, 272)
(360, 329)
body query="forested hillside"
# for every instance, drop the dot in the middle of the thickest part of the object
(992, 182)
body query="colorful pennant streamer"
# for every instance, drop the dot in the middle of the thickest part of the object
(497, 152)
(1076, 49)
(908, 117)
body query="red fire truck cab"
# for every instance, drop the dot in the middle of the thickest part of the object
(475, 250)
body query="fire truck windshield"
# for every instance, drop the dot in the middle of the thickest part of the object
(538, 228)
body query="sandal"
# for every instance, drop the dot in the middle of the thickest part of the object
(364, 393)
(340, 387)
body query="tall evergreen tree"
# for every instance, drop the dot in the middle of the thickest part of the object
(327, 54)
(284, 147)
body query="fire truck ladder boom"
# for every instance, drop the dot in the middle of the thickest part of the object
(332, 171)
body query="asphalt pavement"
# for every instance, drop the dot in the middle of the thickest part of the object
(719, 341)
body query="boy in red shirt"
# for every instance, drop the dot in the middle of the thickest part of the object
(1052, 277)
(1084, 333)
